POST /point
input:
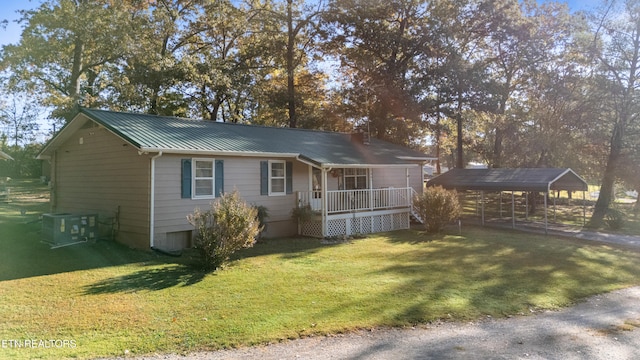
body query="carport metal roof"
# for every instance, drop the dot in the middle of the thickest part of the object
(522, 179)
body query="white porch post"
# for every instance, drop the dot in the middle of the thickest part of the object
(324, 202)
(370, 172)
(584, 208)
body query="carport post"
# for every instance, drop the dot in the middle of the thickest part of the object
(513, 210)
(545, 212)
(555, 194)
(482, 205)
(584, 208)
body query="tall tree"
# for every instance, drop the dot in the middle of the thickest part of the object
(616, 47)
(521, 37)
(220, 67)
(377, 43)
(64, 51)
(156, 65)
(453, 71)
(292, 47)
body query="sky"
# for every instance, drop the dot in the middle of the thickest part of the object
(11, 34)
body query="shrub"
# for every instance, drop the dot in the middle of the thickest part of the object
(437, 207)
(262, 213)
(229, 225)
(614, 219)
(302, 213)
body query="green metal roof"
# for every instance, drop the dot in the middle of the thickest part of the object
(153, 133)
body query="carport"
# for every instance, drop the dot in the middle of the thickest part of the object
(542, 180)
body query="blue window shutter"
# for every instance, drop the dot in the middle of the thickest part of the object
(186, 178)
(264, 178)
(219, 186)
(289, 177)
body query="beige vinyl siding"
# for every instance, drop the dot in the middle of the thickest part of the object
(333, 182)
(397, 177)
(241, 173)
(97, 172)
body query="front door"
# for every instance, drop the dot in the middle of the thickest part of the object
(316, 187)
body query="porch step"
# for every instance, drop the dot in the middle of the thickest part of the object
(416, 217)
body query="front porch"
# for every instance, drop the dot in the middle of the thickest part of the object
(359, 211)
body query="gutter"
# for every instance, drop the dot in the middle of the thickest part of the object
(152, 200)
(216, 152)
(308, 162)
(417, 158)
(373, 166)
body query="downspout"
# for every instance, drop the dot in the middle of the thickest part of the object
(410, 190)
(407, 175)
(53, 191)
(152, 200)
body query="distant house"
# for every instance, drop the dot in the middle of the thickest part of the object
(5, 156)
(4, 189)
(149, 172)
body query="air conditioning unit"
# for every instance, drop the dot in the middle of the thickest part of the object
(67, 229)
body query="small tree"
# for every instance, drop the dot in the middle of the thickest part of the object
(229, 225)
(437, 207)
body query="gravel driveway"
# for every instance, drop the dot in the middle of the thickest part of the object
(603, 327)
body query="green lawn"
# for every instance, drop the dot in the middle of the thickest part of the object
(109, 300)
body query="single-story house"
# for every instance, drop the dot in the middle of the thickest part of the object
(149, 172)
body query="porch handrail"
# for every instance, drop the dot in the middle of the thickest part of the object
(340, 201)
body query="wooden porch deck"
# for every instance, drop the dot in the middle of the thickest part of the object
(352, 212)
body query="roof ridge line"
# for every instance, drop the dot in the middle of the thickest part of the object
(213, 122)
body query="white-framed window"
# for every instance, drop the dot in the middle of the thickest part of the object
(277, 177)
(355, 179)
(203, 177)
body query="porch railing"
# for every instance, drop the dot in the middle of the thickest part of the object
(341, 201)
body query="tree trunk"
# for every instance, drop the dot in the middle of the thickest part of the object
(497, 148)
(606, 188)
(76, 70)
(438, 133)
(460, 151)
(291, 90)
